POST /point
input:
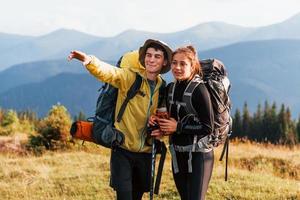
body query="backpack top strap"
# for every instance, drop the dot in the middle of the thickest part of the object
(135, 87)
(161, 96)
(171, 95)
(187, 94)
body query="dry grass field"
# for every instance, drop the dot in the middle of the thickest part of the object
(256, 171)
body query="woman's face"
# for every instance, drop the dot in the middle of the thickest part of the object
(181, 67)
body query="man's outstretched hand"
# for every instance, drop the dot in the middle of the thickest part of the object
(85, 59)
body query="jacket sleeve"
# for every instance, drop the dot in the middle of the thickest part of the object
(117, 77)
(203, 123)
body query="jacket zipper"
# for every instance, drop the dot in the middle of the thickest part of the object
(143, 138)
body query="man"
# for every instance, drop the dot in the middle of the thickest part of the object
(131, 162)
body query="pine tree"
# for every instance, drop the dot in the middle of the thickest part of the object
(1, 115)
(298, 130)
(291, 135)
(266, 123)
(237, 124)
(81, 116)
(256, 126)
(272, 135)
(246, 121)
(283, 125)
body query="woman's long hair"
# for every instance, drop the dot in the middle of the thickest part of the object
(191, 53)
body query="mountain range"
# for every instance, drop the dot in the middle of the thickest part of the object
(16, 49)
(262, 63)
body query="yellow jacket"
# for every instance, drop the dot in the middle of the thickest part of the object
(134, 121)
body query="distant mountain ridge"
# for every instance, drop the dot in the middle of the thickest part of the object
(263, 64)
(262, 70)
(78, 92)
(34, 72)
(57, 44)
(258, 70)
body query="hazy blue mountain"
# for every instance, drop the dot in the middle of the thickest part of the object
(57, 44)
(258, 70)
(44, 47)
(288, 29)
(262, 70)
(78, 92)
(203, 36)
(8, 41)
(35, 72)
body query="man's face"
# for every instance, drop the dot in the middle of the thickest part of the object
(154, 60)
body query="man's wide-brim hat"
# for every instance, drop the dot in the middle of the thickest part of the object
(168, 50)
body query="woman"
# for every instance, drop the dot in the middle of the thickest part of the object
(192, 157)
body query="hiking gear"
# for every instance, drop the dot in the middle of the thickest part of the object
(158, 147)
(139, 108)
(218, 85)
(153, 157)
(82, 130)
(168, 51)
(162, 150)
(103, 131)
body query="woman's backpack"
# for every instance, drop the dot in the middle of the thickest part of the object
(218, 85)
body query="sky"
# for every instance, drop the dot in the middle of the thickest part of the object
(111, 17)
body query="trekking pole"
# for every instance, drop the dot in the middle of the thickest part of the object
(152, 168)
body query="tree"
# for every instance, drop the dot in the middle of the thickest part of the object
(10, 123)
(28, 115)
(1, 115)
(246, 121)
(256, 125)
(237, 124)
(283, 125)
(53, 131)
(10, 118)
(298, 130)
(291, 133)
(81, 116)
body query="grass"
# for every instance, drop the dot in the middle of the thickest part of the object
(255, 172)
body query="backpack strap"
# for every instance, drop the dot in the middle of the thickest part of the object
(187, 104)
(135, 87)
(171, 95)
(161, 96)
(171, 101)
(187, 94)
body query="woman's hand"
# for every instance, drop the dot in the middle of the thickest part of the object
(85, 59)
(167, 126)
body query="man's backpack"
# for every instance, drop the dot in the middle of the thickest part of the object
(100, 128)
(104, 132)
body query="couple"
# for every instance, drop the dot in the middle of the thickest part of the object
(131, 162)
